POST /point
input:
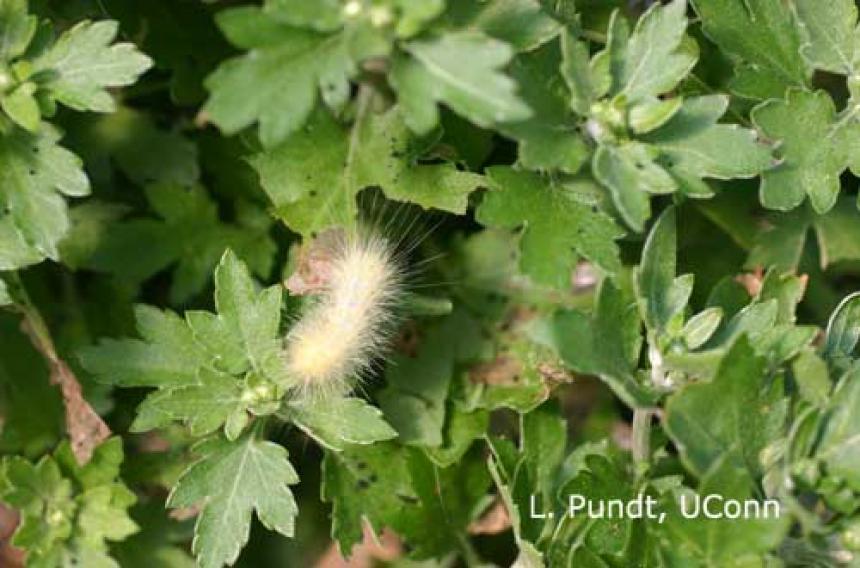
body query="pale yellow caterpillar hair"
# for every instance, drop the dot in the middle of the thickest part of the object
(336, 340)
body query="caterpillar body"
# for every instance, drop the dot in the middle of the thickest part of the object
(349, 325)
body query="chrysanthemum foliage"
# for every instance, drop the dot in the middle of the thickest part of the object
(287, 280)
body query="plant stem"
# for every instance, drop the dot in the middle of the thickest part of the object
(84, 426)
(470, 555)
(35, 325)
(641, 436)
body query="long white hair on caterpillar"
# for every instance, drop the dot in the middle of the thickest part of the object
(358, 278)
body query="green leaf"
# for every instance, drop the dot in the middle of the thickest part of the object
(577, 73)
(828, 31)
(338, 422)
(557, 227)
(813, 380)
(701, 327)
(841, 435)
(656, 56)
(142, 151)
(693, 144)
(843, 332)
(729, 419)
(630, 173)
(837, 233)
(787, 290)
(83, 64)
(211, 370)
(35, 174)
(461, 429)
(413, 17)
(231, 481)
(523, 24)
(102, 514)
(388, 157)
(28, 488)
(662, 296)
(314, 177)
(5, 298)
(172, 33)
(474, 87)
(325, 15)
(300, 180)
(102, 468)
(781, 240)
(156, 543)
(250, 318)
(277, 82)
(504, 467)
(753, 319)
(16, 29)
(765, 38)
(187, 235)
(700, 541)
(652, 114)
(808, 167)
(24, 385)
(417, 386)
(21, 106)
(519, 375)
(212, 400)
(543, 444)
(69, 511)
(768, 321)
(550, 138)
(166, 356)
(600, 479)
(407, 18)
(607, 343)
(516, 471)
(398, 487)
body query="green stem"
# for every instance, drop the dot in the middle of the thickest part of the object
(641, 436)
(470, 555)
(33, 320)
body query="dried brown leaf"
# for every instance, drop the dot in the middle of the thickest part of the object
(313, 269)
(84, 426)
(501, 371)
(494, 521)
(369, 553)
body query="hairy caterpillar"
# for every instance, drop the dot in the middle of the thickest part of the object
(338, 337)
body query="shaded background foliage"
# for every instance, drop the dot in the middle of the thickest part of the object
(643, 225)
